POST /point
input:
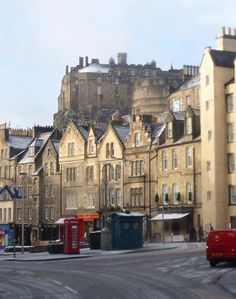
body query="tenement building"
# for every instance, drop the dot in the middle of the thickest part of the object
(218, 142)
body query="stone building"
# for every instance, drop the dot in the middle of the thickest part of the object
(95, 91)
(111, 165)
(12, 143)
(179, 177)
(218, 142)
(30, 179)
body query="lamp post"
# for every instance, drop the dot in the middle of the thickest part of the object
(22, 175)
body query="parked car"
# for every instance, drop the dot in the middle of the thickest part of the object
(221, 246)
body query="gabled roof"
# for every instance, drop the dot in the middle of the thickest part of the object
(122, 132)
(39, 141)
(19, 142)
(98, 132)
(192, 82)
(223, 58)
(155, 131)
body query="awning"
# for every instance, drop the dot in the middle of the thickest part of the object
(169, 216)
(87, 217)
(62, 220)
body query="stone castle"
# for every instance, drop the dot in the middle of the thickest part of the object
(94, 91)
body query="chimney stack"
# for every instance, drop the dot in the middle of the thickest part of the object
(86, 61)
(81, 62)
(67, 69)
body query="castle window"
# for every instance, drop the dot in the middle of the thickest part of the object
(208, 195)
(207, 80)
(230, 102)
(49, 151)
(207, 105)
(107, 150)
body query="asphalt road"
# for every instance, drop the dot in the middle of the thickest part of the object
(176, 274)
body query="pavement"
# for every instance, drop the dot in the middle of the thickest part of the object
(227, 281)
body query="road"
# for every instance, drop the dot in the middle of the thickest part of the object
(165, 274)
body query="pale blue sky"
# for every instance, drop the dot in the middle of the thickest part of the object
(39, 37)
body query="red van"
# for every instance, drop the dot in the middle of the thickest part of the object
(221, 246)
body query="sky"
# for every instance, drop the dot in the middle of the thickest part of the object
(38, 38)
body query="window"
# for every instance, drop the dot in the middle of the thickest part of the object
(136, 197)
(91, 146)
(189, 125)
(189, 157)
(46, 168)
(1, 214)
(174, 159)
(107, 150)
(30, 191)
(189, 192)
(137, 168)
(30, 213)
(208, 166)
(49, 151)
(175, 193)
(90, 173)
(46, 214)
(207, 80)
(207, 105)
(208, 195)
(169, 130)
(91, 200)
(230, 132)
(137, 139)
(52, 190)
(118, 172)
(165, 194)
(112, 196)
(209, 135)
(71, 174)
(51, 168)
(164, 161)
(118, 196)
(51, 212)
(188, 101)
(19, 214)
(4, 214)
(232, 194)
(71, 201)
(112, 150)
(229, 102)
(71, 149)
(9, 214)
(46, 190)
(231, 163)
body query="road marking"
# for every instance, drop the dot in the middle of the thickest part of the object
(66, 287)
(70, 289)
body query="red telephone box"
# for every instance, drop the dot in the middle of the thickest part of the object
(71, 236)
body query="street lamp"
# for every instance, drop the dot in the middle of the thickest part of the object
(22, 175)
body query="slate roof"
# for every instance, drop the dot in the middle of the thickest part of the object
(56, 144)
(155, 130)
(98, 133)
(223, 58)
(83, 131)
(40, 141)
(122, 132)
(19, 142)
(192, 82)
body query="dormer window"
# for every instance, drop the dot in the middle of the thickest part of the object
(91, 146)
(189, 125)
(32, 150)
(137, 139)
(169, 130)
